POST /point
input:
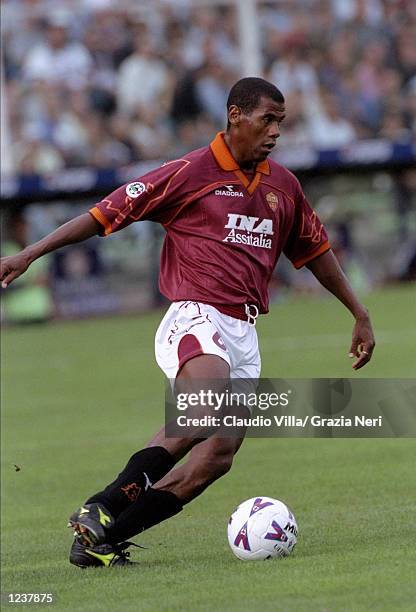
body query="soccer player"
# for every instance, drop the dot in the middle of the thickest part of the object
(228, 213)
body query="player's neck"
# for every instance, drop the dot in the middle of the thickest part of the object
(247, 166)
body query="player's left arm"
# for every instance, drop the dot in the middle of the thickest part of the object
(329, 273)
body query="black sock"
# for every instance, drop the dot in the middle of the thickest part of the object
(151, 508)
(143, 469)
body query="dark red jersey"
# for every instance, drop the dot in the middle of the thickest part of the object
(224, 233)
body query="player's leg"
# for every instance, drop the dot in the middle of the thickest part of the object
(190, 378)
(185, 336)
(150, 464)
(208, 461)
(189, 341)
(95, 519)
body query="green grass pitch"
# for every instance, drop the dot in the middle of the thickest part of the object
(80, 397)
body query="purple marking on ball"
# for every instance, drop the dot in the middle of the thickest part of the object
(259, 506)
(278, 533)
(242, 537)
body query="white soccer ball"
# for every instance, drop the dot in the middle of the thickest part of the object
(262, 528)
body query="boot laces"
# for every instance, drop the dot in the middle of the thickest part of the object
(120, 549)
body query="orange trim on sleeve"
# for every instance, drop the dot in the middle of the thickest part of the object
(319, 251)
(102, 220)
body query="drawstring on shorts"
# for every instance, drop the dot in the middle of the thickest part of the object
(251, 316)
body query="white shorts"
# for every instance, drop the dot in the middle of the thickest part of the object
(189, 329)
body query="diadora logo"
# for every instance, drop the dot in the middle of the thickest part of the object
(249, 230)
(229, 191)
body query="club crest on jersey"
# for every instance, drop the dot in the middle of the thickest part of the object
(133, 190)
(229, 191)
(272, 200)
(251, 231)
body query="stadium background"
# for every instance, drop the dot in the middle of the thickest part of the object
(93, 94)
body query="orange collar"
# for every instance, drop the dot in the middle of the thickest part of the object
(225, 159)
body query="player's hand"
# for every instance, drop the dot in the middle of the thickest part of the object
(12, 267)
(363, 342)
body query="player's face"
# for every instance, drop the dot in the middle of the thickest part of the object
(260, 129)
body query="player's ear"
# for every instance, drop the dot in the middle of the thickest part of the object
(234, 115)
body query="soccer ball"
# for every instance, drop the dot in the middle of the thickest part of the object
(262, 528)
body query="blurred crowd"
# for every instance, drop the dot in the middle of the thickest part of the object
(104, 84)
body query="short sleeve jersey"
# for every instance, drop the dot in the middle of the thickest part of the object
(224, 232)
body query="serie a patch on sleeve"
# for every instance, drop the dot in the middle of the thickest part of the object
(133, 190)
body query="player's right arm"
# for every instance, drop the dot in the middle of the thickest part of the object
(156, 196)
(78, 229)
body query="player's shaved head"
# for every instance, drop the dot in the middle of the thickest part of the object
(247, 93)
